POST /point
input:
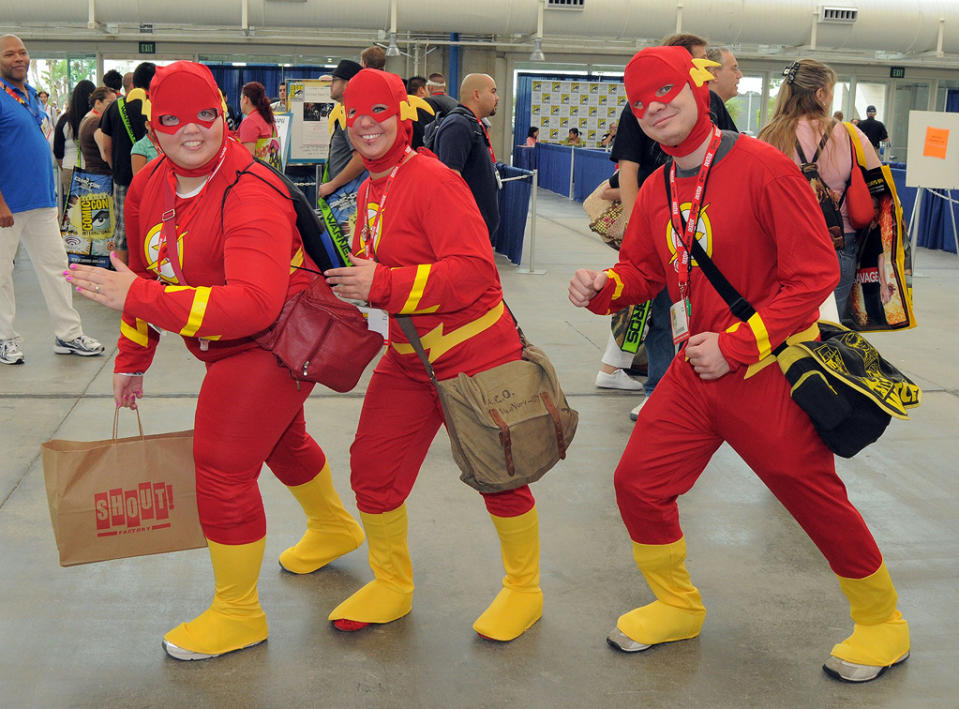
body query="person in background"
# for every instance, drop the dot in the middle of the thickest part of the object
(726, 83)
(113, 80)
(145, 149)
(532, 137)
(93, 160)
(373, 58)
(408, 262)
(608, 137)
(232, 121)
(343, 164)
(801, 116)
(838, 116)
(236, 275)
(66, 135)
(573, 138)
(278, 106)
(875, 130)
(28, 212)
(257, 131)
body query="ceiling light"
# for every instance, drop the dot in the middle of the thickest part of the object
(392, 50)
(537, 54)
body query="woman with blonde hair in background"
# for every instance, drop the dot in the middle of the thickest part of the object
(803, 118)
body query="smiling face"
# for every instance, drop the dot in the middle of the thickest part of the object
(193, 145)
(727, 76)
(370, 138)
(14, 60)
(671, 122)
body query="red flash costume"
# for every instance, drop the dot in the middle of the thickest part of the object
(236, 254)
(763, 230)
(446, 279)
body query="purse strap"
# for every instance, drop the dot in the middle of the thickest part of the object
(169, 234)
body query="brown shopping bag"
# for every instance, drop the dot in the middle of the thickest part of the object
(123, 496)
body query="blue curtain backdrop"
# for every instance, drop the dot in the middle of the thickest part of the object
(952, 100)
(232, 78)
(513, 210)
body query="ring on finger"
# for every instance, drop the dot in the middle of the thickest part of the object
(96, 287)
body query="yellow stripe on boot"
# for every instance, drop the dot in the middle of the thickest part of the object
(678, 612)
(389, 596)
(234, 620)
(880, 637)
(520, 603)
(331, 531)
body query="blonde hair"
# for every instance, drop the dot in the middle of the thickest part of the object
(797, 100)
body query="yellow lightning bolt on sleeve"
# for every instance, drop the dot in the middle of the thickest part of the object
(699, 73)
(618, 290)
(197, 311)
(138, 334)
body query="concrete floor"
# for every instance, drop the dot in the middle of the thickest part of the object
(89, 636)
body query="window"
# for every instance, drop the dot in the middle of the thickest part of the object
(746, 107)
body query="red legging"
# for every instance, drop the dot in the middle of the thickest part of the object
(400, 418)
(687, 419)
(250, 411)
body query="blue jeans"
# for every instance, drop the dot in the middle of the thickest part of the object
(847, 272)
(659, 341)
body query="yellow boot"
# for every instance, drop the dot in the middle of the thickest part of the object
(234, 620)
(520, 603)
(331, 531)
(389, 596)
(880, 636)
(676, 614)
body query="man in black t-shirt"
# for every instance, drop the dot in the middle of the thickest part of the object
(121, 126)
(462, 143)
(874, 130)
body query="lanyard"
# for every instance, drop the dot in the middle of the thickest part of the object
(489, 143)
(686, 233)
(168, 233)
(368, 237)
(26, 104)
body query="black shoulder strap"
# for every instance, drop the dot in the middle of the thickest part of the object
(815, 157)
(739, 306)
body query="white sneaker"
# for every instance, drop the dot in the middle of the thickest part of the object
(10, 352)
(851, 672)
(634, 414)
(617, 380)
(81, 345)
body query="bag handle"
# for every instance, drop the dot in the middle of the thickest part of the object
(116, 420)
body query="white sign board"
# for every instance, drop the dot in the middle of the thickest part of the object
(310, 106)
(933, 150)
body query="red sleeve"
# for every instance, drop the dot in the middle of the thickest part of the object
(638, 276)
(258, 229)
(806, 269)
(463, 267)
(252, 128)
(138, 341)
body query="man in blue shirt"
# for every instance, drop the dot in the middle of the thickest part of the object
(28, 211)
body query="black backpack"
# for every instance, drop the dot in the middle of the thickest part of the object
(433, 128)
(317, 242)
(829, 203)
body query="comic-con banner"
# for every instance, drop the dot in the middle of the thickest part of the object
(88, 221)
(557, 106)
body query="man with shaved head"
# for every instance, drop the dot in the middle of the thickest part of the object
(28, 211)
(463, 143)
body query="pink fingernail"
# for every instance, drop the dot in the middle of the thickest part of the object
(69, 278)
(73, 266)
(139, 393)
(79, 289)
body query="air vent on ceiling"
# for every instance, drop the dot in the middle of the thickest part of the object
(565, 4)
(838, 15)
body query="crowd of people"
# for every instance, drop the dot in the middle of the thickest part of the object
(245, 257)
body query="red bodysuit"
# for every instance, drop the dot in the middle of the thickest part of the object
(763, 230)
(441, 272)
(237, 258)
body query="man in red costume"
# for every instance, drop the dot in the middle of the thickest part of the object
(226, 279)
(410, 263)
(754, 215)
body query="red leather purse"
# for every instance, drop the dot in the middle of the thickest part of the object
(321, 338)
(859, 206)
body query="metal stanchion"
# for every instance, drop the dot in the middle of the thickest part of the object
(529, 270)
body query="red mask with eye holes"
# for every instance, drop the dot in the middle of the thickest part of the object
(372, 88)
(178, 94)
(659, 74)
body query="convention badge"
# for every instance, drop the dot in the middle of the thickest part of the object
(377, 320)
(679, 320)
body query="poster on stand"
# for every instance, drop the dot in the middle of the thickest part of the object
(310, 107)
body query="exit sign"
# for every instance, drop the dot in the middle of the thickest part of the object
(148, 47)
(897, 72)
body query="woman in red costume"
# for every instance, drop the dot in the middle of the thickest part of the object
(441, 273)
(232, 272)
